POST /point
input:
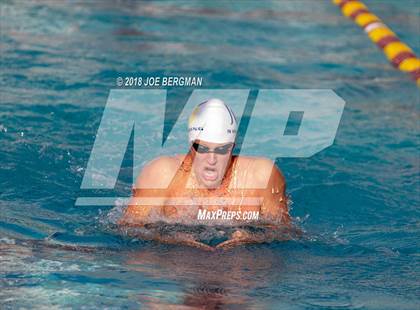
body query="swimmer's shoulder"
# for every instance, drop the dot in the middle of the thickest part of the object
(260, 170)
(159, 172)
(167, 163)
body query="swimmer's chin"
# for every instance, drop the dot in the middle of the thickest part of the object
(211, 184)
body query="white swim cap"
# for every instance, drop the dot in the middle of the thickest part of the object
(212, 121)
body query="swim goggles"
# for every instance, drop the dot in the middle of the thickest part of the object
(221, 150)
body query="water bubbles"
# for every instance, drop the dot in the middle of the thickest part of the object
(79, 231)
(7, 240)
(114, 214)
(388, 252)
(302, 220)
(337, 235)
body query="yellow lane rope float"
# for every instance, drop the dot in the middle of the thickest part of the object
(399, 54)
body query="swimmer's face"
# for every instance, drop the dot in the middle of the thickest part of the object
(210, 162)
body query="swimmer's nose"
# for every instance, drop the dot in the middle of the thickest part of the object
(211, 158)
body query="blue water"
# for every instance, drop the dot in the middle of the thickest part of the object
(357, 201)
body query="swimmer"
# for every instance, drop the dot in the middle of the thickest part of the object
(209, 182)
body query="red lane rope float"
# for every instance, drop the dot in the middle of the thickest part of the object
(399, 54)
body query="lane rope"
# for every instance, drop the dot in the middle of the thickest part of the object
(400, 55)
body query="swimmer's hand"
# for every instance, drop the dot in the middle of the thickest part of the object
(177, 238)
(185, 239)
(272, 233)
(239, 237)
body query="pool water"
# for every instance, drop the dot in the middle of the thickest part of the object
(356, 201)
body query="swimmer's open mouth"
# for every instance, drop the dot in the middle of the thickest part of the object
(210, 174)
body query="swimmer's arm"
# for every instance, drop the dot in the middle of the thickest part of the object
(151, 187)
(271, 188)
(148, 193)
(274, 204)
(185, 239)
